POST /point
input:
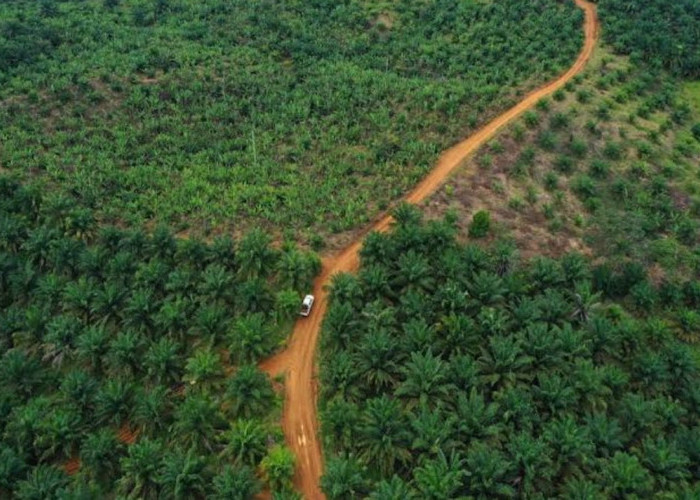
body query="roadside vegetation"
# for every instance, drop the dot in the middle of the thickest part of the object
(128, 359)
(607, 167)
(302, 117)
(450, 370)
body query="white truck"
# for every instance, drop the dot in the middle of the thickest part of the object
(306, 305)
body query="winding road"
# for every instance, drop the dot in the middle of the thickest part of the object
(299, 419)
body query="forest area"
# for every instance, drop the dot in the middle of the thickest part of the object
(520, 334)
(169, 170)
(306, 118)
(450, 370)
(113, 337)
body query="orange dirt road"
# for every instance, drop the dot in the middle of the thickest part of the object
(299, 420)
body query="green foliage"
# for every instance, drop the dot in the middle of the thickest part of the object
(308, 117)
(480, 224)
(655, 31)
(117, 327)
(502, 381)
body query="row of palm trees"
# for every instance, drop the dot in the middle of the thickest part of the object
(106, 329)
(452, 371)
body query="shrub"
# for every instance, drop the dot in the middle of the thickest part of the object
(531, 119)
(584, 187)
(547, 140)
(551, 181)
(559, 120)
(578, 148)
(565, 164)
(480, 225)
(613, 151)
(599, 169)
(696, 131)
(559, 95)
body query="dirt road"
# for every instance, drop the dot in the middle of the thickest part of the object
(299, 420)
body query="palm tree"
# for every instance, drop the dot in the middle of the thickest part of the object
(59, 341)
(503, 363)
(487, 289)
(222, 250)
(210, 322)
(530, 458)
(475, 418)
(585, 302)
(139, 310)
(382, 437)
(139, 478)
(163, 361)
(250, 391)
(278, 467)
(624, 475)
(666, 461)
(92, 346)
(345, 288)
(99, 455)
(203, 369)
(78, 389)
(44, 481)
(254, 295)
(173, 317)
(124, 355)
(489, 472)
(182, 475)
(255, 255)
(440, 478)
(245, 442)
(235, 483)
(113, 401)
(250, 339)
(432, 431)
(59, 432)
(377, 357)
(197, 420)
(343, 479)
(162, 243)
(413, 273)
(20, 372)
(426, 380)
(12, 467)
(392, 489)
(339, 421)
(217, 283)
(153, 410)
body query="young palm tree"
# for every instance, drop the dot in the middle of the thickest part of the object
(245, 442)
(278, 467)
(235, 483)
(344, 479)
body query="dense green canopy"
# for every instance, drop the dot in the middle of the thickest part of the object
(450, 371)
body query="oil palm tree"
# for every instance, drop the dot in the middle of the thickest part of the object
(245, 442)
(425, 380)
(383, 440)
(182, 475)
(344, 479)
(140, 469)
(235, 483)
(250, 391)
